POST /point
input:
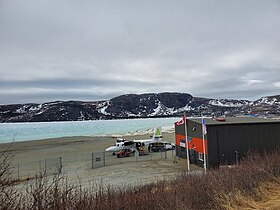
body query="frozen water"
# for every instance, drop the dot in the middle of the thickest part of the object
(44, 130)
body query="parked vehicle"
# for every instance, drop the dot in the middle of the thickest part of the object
(161, 146)
(124, 153)
(169, 146)
(157, 147)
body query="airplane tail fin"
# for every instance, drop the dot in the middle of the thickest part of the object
(157, 133)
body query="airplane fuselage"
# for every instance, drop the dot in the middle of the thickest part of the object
(133, 144)
(117, 148)
(121, 143)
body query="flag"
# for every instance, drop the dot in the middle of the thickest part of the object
(204, 130)
(182, 121)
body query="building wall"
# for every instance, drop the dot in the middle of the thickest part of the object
(180, 137)
(195, 144)
(230, 142)
(226, 143)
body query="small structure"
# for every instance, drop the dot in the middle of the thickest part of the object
(226, 140)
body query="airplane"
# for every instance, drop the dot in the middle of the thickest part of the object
(121, 143)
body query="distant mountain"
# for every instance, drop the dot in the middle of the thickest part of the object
(134, 105)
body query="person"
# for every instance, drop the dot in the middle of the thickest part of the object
(175, 159)
(149, 148)
(141, 150)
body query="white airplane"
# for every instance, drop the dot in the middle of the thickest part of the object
(121, 143)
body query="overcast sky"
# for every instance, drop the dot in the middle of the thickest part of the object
(93, 50)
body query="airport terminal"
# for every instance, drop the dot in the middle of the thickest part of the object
(226, 140)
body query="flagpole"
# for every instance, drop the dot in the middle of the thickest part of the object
(186, 143)
(203, 144)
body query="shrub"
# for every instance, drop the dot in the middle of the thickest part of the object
(214, 190)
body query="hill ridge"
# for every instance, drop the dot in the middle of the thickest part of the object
(164, 104)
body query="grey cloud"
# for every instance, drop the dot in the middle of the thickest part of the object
(59, 95)
(212, 49)
(70, 83)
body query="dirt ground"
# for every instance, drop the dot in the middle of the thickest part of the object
(77, 166)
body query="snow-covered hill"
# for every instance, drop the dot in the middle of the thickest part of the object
(138, 105)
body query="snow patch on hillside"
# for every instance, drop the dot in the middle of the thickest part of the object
(157, 110)
(35, 108)
(223, 103)
(268, 101)
(185, 108)
(101, 108)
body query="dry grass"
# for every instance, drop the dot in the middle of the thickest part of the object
(269, 198)
(254, 184)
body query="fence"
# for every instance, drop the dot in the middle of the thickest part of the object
(29, 170)
(101, 159)
(80, 161)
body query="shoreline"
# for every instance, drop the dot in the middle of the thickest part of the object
(100, 142)
(148, 131)
(76, 153)
(50, 130)
(137, 133)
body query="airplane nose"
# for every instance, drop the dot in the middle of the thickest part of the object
(109, 149)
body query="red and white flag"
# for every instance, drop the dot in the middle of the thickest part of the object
(182, 121)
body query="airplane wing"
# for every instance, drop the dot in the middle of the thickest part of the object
(127, 143)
